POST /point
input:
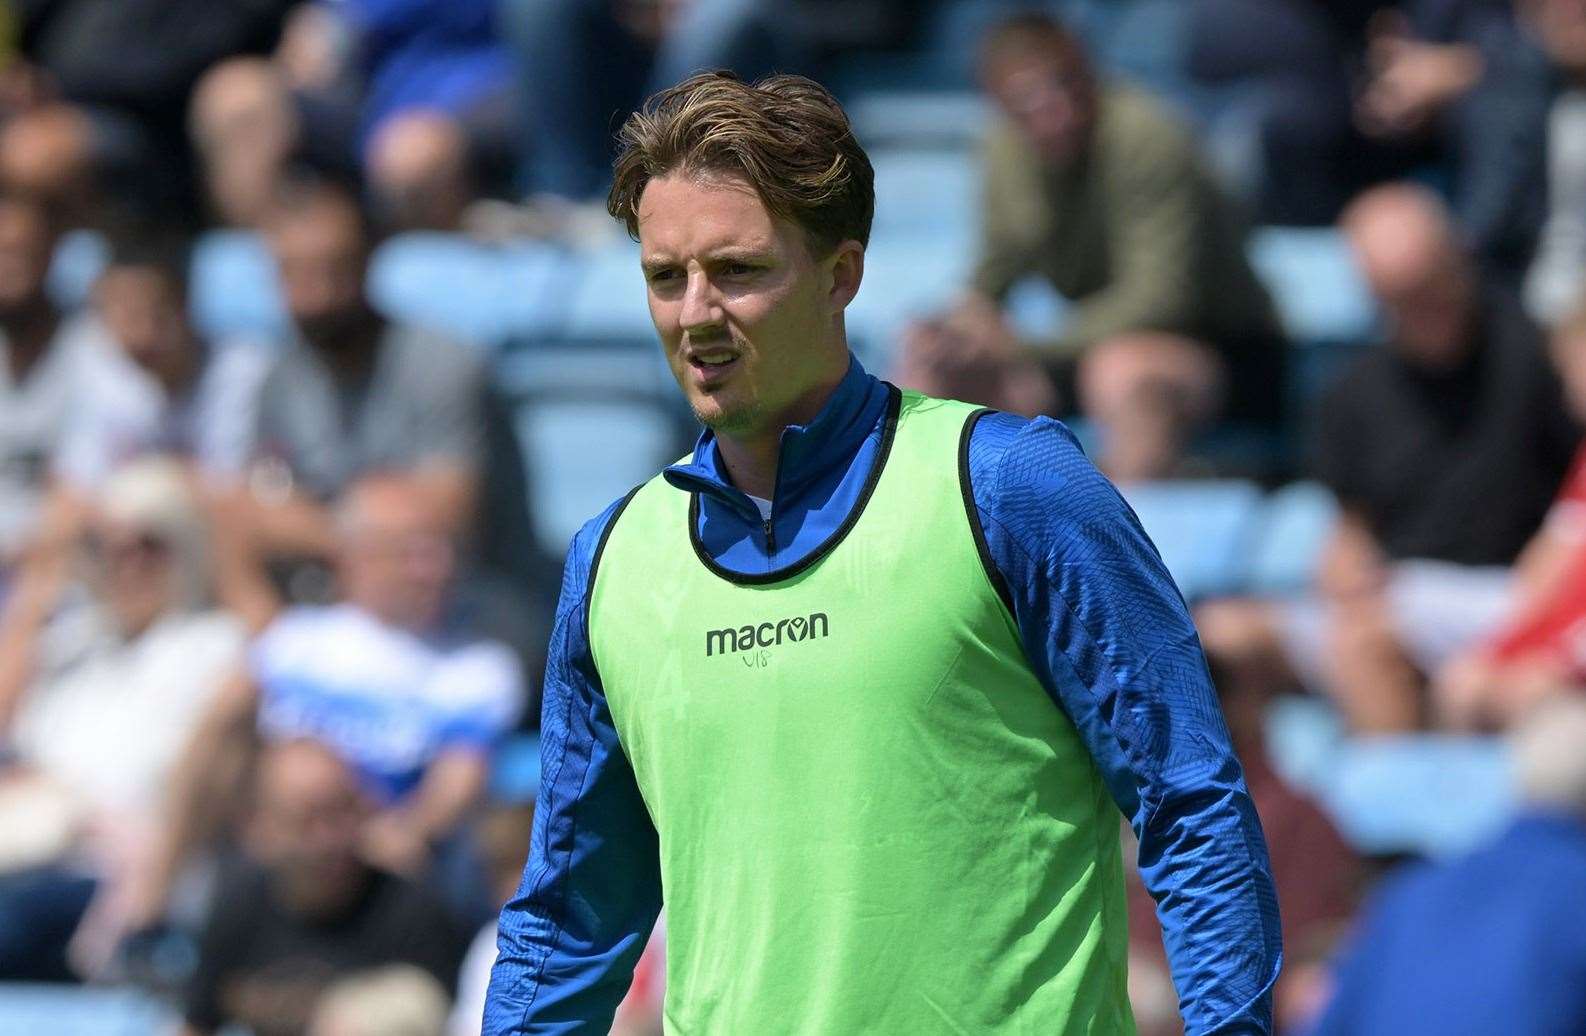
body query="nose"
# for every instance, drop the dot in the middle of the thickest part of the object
(701, 311)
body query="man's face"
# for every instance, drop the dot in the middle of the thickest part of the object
(144, 313)
(743, 309)
(320, 255)
(135, 572)
(396, 559)
(25, 249)
(1051, 100)
(307, 826)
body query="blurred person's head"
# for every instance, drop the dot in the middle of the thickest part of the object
(419, 176)
(244, 128)
(395, 1000)
(1417, 269)
(395, 556)
(1568, 345)
(1559, 28)
(148, 544)
(321, 239)
(28, 233)
(752, 207)
(49, 152)
(1040, 76)
(141, 297)
(306, 825)
(1549, 745)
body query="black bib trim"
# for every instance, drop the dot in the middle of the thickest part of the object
(998, 583)
(889, 430)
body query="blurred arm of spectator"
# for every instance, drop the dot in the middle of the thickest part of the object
(205, 786)
(28, 607)
(970, 352)
(1412, 80)
(401, 838)
(1352, 564)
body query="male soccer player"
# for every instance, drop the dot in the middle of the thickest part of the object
(858, 688)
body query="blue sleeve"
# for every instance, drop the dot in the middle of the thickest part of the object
(1108, 634)
(591, 890)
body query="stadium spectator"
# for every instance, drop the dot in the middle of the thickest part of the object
(126, 70)
(1489, 942)
(1345, 94)
(582, 61)
(1093, 186)
(1541, 645)
(52, 366)
(246, 130)
(1443, 449)
(100, 687)
(191, 400)
(353, 393)
(410, 702)
(305, 909)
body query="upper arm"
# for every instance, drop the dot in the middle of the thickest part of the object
(591, 890)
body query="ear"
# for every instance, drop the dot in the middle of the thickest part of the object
(846, 269)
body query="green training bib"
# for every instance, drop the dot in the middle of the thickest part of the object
(872, 817)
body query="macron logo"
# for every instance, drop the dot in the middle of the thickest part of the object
(731, 640)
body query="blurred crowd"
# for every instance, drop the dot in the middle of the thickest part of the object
(272, 609)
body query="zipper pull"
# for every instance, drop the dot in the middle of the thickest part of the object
(770, 543)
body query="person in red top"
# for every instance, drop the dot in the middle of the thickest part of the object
(1542, 645)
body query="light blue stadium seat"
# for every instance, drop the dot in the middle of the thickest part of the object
(918, 119)
(79, 259)
(37, 1010)
(926, 192)
(233, 290)
(1429, 794)
(1201, 530)
(1295, 523)
(1314, 282)
(482, 293)
(608, 300)
(594, 420)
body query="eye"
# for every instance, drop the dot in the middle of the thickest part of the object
(739, 269)
(663, 276)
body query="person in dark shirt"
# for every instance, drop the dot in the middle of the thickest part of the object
(306, 910)
(1444, 449)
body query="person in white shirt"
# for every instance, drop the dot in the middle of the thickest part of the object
(101, 685)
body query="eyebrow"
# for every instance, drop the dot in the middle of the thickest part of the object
(730, 254)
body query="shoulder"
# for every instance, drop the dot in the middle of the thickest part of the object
(300, 631)
(1032, 479)
(1132, 123)
(423, 353)
(1008, 452)
(583, 554)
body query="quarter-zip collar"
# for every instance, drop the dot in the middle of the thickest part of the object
(806, 453)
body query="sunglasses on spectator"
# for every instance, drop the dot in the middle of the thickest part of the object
(141, 546)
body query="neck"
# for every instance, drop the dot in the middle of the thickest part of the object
(752, 458)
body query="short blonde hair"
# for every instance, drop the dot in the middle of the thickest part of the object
(786, 135)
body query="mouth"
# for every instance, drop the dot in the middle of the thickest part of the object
(711, 366)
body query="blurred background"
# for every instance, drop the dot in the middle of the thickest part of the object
(317, 345)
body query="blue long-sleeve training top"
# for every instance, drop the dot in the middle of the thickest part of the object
(1103, 626)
